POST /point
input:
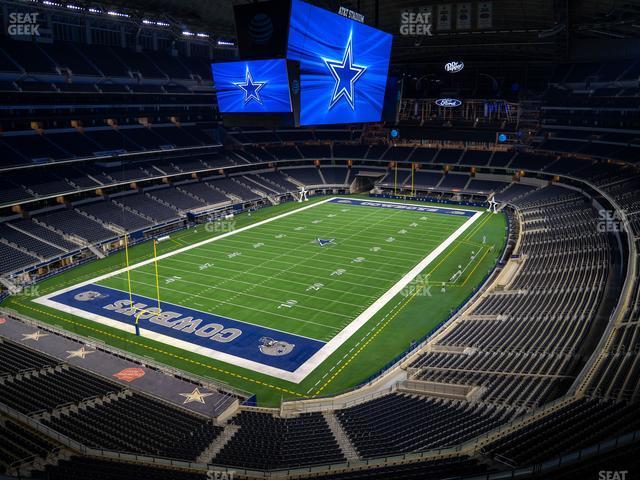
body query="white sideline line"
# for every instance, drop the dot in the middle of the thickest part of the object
(307, 367)
(312, 363)
(185, 249)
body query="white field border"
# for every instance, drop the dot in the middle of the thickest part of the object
(314, 361)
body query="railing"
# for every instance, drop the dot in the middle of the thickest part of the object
(450, 452)
(489, 111)
(565, 460)
(618, 314)
(210, 384)
(322, 401)
(473, 444)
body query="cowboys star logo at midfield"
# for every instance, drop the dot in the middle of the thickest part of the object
(250, 87)
(345, 73)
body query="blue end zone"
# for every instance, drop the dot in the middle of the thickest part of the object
(405, 206)
(251, 342)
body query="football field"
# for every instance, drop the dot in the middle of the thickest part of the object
(276, 296)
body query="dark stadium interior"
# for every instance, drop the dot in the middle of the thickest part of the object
(109, 124)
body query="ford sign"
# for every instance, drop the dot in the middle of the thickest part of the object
(454, 67)
(448, 102)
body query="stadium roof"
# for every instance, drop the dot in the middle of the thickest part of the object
(215, 15)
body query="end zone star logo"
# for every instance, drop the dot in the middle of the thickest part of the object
(250, 88)
(345, 73)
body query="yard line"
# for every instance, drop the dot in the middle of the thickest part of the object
(349, 326)
(389, 232)
(324, 271)
(340, 259)
(217, 267)
(263, 265)
(275, 300)
(355, 213)
(263, 298)
(399, 240)
(335, 279)
(264, 262)
(252, 308)
(432, 224)
(355, 251)
(304, 370)
(405, 242)
(355, 245)
(167, 267)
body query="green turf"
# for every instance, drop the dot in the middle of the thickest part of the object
(273, 268)
(250, 276)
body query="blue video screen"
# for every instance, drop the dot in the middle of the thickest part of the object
(257, 86)
(343, 66)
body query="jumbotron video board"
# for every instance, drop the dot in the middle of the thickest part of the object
(343, 66)
(257, 86)
(264, 93)
(335, 72)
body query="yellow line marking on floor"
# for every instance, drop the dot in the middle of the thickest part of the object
(474, 268)
(159, 350)
(464, 240)
(364, 345)
(400, 308)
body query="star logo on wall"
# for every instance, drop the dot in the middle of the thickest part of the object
(250, 87)
(81, 353)
(35, 336)
(345, 73)
(195, 396)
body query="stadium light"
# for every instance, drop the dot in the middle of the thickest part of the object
(155, 22)
(117, 14)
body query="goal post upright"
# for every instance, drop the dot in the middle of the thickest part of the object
(413, 190)
(155, 261)
(126, 257)
(395, 181)
(157, 282)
